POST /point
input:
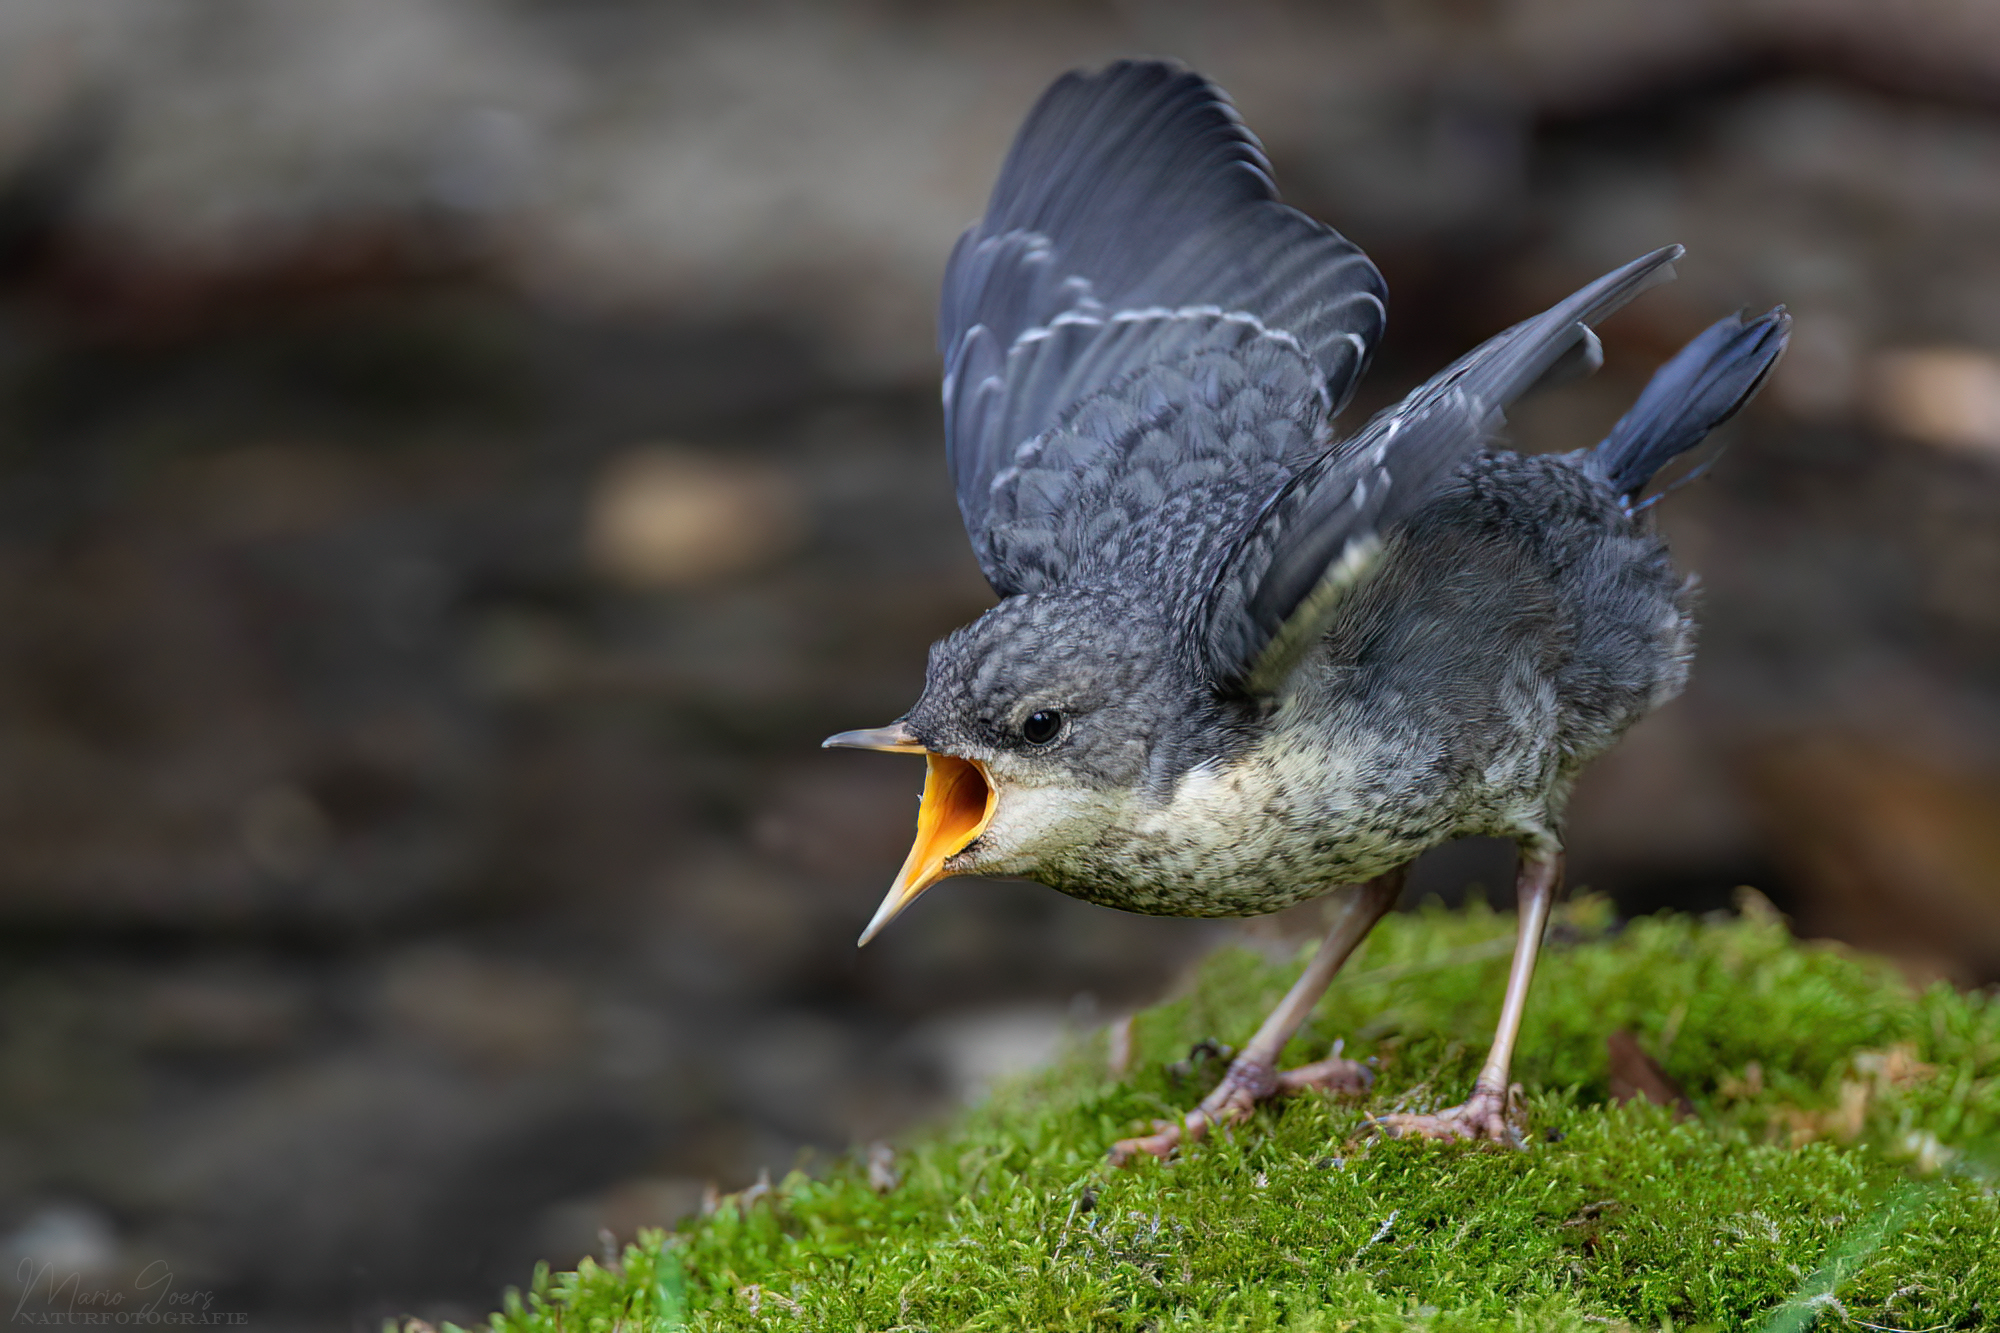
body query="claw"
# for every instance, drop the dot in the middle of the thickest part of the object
(1484, 1116)
(1235, 1098)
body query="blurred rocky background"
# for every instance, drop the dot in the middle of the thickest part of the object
(457, 457)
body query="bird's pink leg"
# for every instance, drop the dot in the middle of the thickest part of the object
(1254, 1075)
(1483, 1115)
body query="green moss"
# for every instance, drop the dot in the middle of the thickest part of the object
(1837, 1175)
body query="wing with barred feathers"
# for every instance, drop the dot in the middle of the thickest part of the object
(1133, 250)
(1319, 535)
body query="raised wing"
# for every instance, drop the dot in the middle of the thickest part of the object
(1279, 589)
(1134, 229)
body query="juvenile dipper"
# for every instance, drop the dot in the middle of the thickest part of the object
(1239, 661)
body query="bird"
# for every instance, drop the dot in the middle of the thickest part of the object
(1240, 658)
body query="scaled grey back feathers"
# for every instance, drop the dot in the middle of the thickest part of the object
(1143, 351)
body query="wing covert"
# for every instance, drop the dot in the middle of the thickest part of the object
(1319, 534)
(1133, 223)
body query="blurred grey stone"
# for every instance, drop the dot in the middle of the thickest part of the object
(572, 1229)
(499, 1016)
(64, 1250)
(982, 1047)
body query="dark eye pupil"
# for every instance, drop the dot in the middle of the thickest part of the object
(1041, 727)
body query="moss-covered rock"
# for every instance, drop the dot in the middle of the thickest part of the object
(1837, 1174)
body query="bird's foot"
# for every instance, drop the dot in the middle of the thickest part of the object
(1248, 1082)
(1485, 1115)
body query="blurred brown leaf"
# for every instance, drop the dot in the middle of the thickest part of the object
(1635, 1074)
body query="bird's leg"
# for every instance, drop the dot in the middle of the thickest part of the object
(1253, 1075)
(1483, 1115)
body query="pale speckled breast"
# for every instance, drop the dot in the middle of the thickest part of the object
(1295, 818)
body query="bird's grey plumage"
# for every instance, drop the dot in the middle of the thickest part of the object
(1315, 536)
(1281, 660)
(1134, 260)
(1237, 661)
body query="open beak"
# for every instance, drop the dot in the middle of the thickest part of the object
(895, 737)
(958, 805)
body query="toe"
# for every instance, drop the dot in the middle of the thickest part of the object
(1419, 1127)
(1342, 1077)
(1473, 1122)
(1159, 1144)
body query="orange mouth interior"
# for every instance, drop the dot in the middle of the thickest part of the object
(958, 805)
(959, 801)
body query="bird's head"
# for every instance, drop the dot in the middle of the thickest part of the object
(1038, 722)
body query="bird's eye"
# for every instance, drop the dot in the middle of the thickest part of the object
(1042, 726)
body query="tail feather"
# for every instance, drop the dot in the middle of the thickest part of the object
(1706, 383)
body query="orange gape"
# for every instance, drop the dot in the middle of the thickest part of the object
(958, 805)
